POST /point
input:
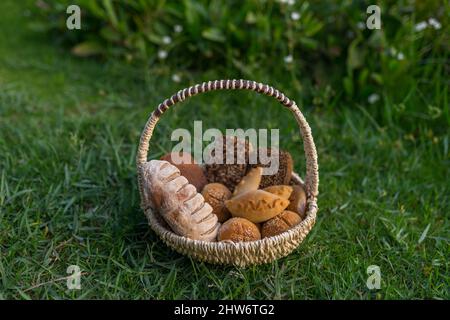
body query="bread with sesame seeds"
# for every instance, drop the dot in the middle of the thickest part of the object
(228, 173)
(279, 224)
(264, 157)
(237, 230)
(216, 194)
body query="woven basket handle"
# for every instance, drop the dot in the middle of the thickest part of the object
(312, 169)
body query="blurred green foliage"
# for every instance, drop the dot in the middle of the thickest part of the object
(323, 47)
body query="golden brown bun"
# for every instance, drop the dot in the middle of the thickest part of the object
(298, 201)
(237, 230)
(281, 191)
(250, 182)
(279, 224)
(215, 194)
(188, 168)
(256, 206)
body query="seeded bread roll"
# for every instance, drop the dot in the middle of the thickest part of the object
(237, 230)
(256, 206)
(285, 167)
(178, 202)
(279, 224)
(215, 194)
(225, 173)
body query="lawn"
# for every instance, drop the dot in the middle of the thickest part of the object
(69, 130)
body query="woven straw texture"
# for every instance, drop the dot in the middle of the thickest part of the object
(242, 253)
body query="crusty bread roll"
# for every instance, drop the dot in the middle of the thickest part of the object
(256, 206)
(178, 202)
(237, 230)
(298, 201)
(188, 168)
(215, 195)
(285, 166)
(279, 224)
(250, 182)
(280, 190)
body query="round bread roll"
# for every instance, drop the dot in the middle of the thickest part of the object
(188, 168)
(215, 194)
(298, 201)
(281, 223)
(237, 230)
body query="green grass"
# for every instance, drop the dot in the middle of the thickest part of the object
(69, 129)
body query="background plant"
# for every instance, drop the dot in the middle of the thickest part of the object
(318, 44)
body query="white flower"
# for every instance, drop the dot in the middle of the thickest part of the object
(288, 59)
(361, 25)
(393, 52)
(400, 56)
(162, 54)
(295, 16)
(421, 26)
(166, 40)
(374, 97)
(178, 28)
(434, 23)
(289, 2)
(176, 78)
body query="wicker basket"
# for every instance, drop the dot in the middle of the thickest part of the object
(242, 253)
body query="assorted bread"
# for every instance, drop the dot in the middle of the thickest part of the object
(224, 202)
